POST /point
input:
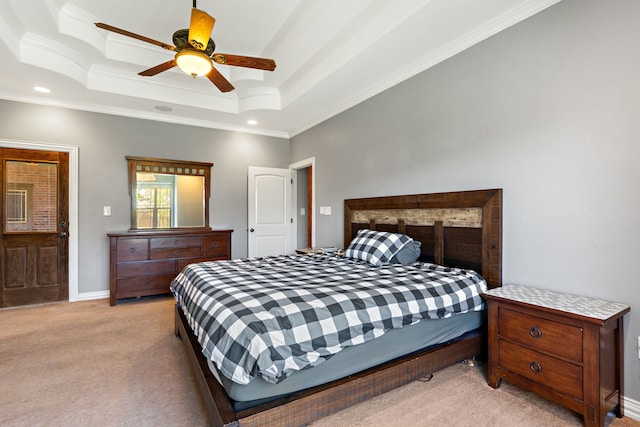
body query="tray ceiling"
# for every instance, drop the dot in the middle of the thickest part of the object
(330, 55)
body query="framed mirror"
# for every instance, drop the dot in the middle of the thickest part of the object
(168, 194)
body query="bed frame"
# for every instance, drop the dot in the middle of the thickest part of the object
(458, 229)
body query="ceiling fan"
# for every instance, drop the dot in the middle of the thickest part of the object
(195, 51)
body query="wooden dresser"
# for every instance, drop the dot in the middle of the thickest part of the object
(566, 348)
(144, 264)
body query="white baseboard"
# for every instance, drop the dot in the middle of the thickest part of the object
(631, 408)
(86, 296)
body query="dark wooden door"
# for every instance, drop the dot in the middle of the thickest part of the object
(35, 214)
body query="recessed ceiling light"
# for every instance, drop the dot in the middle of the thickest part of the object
(41, 89)
(252, 122)
(163, 108)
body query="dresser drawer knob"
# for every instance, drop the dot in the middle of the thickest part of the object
(535, 332)
(535, 367)
(132, 250)
(147, 283)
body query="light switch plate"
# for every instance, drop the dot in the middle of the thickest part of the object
(106, 210)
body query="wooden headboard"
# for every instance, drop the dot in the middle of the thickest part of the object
(457, 229)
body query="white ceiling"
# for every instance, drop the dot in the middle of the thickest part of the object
(330, 54)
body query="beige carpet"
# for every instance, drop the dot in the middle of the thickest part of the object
(459, 396)
(89, 364)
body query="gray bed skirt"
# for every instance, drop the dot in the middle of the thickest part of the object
(393, 344)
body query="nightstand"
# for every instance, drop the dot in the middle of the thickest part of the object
(566, 348)
(311, 251)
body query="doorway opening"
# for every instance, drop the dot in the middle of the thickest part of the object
(303, 202)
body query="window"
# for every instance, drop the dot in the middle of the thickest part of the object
(17, 206)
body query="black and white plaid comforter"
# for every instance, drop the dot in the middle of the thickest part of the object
(271, 316)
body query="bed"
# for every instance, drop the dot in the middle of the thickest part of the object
(457, 229)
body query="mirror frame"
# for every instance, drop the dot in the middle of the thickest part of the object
(154, 165)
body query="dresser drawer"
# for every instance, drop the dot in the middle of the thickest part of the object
(175, 242)
(132, 249)
(141, 285)
(144, 268)
(551, 372)
(175, 253)
(215, 247)
(545, 335)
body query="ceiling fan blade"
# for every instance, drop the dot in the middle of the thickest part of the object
(219, 80)
(134, 35)
(200, 28)
(245, 61)
(158, 68)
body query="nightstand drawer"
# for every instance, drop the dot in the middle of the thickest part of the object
(554, 373)
(544, 335)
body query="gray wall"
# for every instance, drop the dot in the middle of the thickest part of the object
(548, 110)
(105, 140)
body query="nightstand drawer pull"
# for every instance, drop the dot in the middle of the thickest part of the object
(535, 367)
(535, 332)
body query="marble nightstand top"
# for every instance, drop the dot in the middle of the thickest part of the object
(581, 305)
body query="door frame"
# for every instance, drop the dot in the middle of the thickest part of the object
(294, 167)
(73, 202)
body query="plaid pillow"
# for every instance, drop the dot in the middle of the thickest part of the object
(376, 247)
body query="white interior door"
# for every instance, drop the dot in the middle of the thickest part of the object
(269, 218)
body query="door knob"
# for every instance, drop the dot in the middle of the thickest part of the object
(251, 230)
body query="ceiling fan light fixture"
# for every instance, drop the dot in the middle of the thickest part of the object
(194, 63)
